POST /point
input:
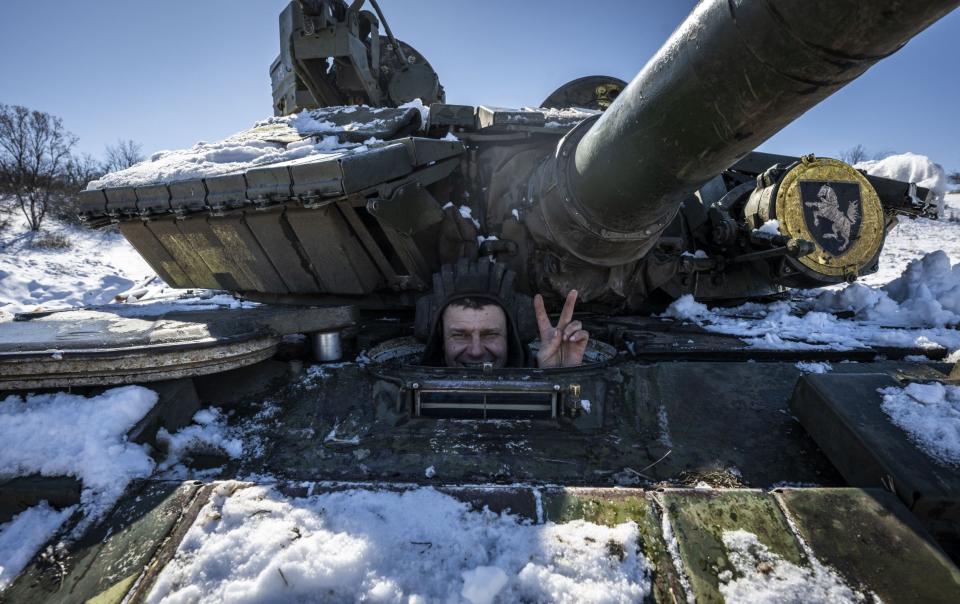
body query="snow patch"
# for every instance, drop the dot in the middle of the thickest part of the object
(761, 576)
(415, 546)
(663, 423)
(909, 167)
(562, 118)
(467, 213)
(305, 136)
(424, 111)
(673, 548)
(770, 227)
(208, 433)
(927, 293)
(814, 367)
(65, 434)
(916, 310)
(332, 437)
(24, 534)
(482, 584)
(930, 415)
(685, 307)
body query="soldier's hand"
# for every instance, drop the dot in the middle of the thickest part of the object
(563, 345)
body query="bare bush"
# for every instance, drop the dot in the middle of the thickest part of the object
(34, 151)
(79, 171)
(854, 155)
(122, 155)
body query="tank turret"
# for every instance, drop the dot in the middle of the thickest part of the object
(650, 192)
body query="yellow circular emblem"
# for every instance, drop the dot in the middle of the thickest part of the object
(829, 203)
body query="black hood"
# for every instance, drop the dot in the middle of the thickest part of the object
(479, 280)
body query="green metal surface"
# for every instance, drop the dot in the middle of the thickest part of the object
(871, 538)
(698, 519)
(111, 556)
(843, 414)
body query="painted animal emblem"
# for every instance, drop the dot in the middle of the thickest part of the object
(827, 207)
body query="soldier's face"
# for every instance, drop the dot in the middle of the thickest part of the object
(474, 336)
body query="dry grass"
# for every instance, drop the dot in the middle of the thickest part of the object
(51, 241)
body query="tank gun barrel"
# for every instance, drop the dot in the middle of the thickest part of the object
(732, 75)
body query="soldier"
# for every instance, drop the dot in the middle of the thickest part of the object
(474, 317)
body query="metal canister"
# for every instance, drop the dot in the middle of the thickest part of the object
(327, 346)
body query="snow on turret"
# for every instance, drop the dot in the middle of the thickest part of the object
(909, 167)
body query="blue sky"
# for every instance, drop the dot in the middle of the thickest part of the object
(170, 73)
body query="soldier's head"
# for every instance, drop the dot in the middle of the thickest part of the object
(474, 316)
(474, 333)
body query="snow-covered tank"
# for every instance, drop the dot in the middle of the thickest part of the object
(614, 201)
(731, 462)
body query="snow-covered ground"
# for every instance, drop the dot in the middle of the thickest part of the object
(252, 540)
(96, 266)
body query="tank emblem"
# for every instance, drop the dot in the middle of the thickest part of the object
(833, 205)
(832, 213)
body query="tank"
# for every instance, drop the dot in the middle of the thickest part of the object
(635, 194)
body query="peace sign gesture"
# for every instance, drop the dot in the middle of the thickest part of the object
(563, 345)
